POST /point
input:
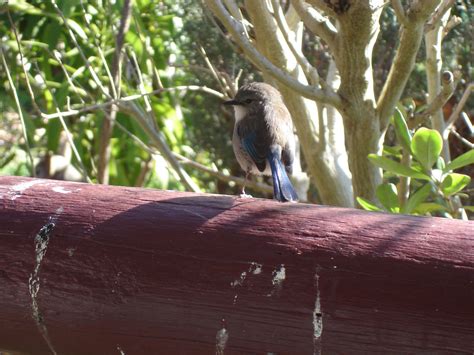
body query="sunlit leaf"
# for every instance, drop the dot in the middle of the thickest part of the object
(395, 167)
(387, 195)
(462, 160)
(453, 183)
(367, 205)
(401, 130)
(417, 198)
(426, 146)
(429, 207)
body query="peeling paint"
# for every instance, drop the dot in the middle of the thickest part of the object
(61, 190)
(121, 352)
(42, 239)
(279, 276)
(239, 281)
(255, 268)
(222, 337)
(317, 318)
(18, 189)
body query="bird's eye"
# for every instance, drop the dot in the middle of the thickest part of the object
(248, 101)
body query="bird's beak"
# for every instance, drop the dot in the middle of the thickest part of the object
(231, 102)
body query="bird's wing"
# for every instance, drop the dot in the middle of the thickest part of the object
(255, 140)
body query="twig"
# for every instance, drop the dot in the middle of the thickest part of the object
(457, 111)
(81, 52)
(130, 98)
(453, 131)
(448, 85)
(20, 113)
(63, 123)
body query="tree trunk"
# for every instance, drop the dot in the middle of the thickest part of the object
(358, 30)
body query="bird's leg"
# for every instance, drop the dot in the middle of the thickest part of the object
(242, 193)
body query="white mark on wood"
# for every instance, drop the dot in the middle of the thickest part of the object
(61, 190)
(222, 337)
(317, 318)
(239, 281)
(279, 275)
(121, 352)
(71, 251)
(18, 189)
(42, 239)
(255, 268)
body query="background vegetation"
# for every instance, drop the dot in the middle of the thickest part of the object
(66, 73)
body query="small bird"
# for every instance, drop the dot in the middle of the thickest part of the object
(263, 138)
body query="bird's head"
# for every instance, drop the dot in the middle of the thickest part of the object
(254, 96)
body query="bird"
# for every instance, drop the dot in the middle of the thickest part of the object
(263, 139)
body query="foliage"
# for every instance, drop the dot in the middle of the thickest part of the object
(435, 188)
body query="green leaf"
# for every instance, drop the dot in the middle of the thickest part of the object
(387, 195)
(462, 160)
(367, 205)
(469, 208)
(426, 146)
(453, 183)
(417, 198)
(401, 130)
(429, 207)
(399, 169)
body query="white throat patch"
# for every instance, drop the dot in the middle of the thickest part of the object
(239, 112)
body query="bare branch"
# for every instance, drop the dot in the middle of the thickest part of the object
(108, 124)
(457, 111)
(448, 86)
(310, 72)
(323, 6)
(452, 22)
(399, 12)
(316, 23)
(237, 31)
(75, 112)
(438, 14)
(404, 61)
(463, 140)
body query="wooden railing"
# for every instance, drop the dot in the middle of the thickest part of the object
(90, 269)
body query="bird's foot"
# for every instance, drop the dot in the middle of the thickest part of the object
(244, 195)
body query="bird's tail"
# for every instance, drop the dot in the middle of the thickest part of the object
(283, 190)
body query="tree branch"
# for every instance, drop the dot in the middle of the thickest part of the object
(404, 61)
(457, 111)
(316, 23)
(323, 6)
(310, 72)
(108, 124)
(448, 85)
(237, 31)
(399, 12)
(438, 14)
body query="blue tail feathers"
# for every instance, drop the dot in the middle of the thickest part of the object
(283, 190)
